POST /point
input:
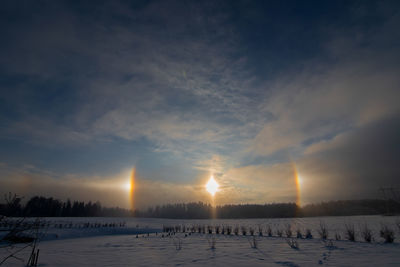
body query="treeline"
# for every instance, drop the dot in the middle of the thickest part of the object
(49, 207)
(178, 211)
(277, 210)
(352, 207)
(205, 211)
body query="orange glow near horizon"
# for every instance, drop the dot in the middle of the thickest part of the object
(131, 186)
(297, 181)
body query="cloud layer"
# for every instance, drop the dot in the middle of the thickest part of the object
(186, 90)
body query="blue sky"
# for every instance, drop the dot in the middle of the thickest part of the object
(182, 90)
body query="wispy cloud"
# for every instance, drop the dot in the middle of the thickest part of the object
(198, 88)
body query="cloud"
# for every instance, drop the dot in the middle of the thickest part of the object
(28, 181)
(190, 89)
(354, 164)
(260, 184)
(322, 100)
(132, 80)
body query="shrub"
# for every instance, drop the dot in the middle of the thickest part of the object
(236, 230)
(279, 232)
(269, 231)
(308, 234)
(323, 230)
(251, 230)
(288, 231)
(366, 233)
(298, 233)
(228, 230)
(337, 236)
(244, 230)
(387, 234)
(350, 232)
(292, 243)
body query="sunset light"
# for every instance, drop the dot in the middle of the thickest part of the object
(205, 133)
(127, 186)
(212, 186)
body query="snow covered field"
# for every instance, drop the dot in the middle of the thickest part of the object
(130, 245)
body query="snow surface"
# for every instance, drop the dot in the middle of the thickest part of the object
(132, 246)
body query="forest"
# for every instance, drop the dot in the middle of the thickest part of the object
(39, 206)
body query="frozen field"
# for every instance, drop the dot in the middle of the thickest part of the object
(131, 245)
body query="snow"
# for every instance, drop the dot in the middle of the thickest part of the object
(132, 246)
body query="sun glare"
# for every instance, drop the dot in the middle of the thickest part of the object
(127, 186)
(212, 186)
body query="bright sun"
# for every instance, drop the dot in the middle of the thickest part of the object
(212, 186)
(127, 186)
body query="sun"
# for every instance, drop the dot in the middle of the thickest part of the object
(212, 186)
(127, 186)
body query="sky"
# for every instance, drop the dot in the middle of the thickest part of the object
(254, 93)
